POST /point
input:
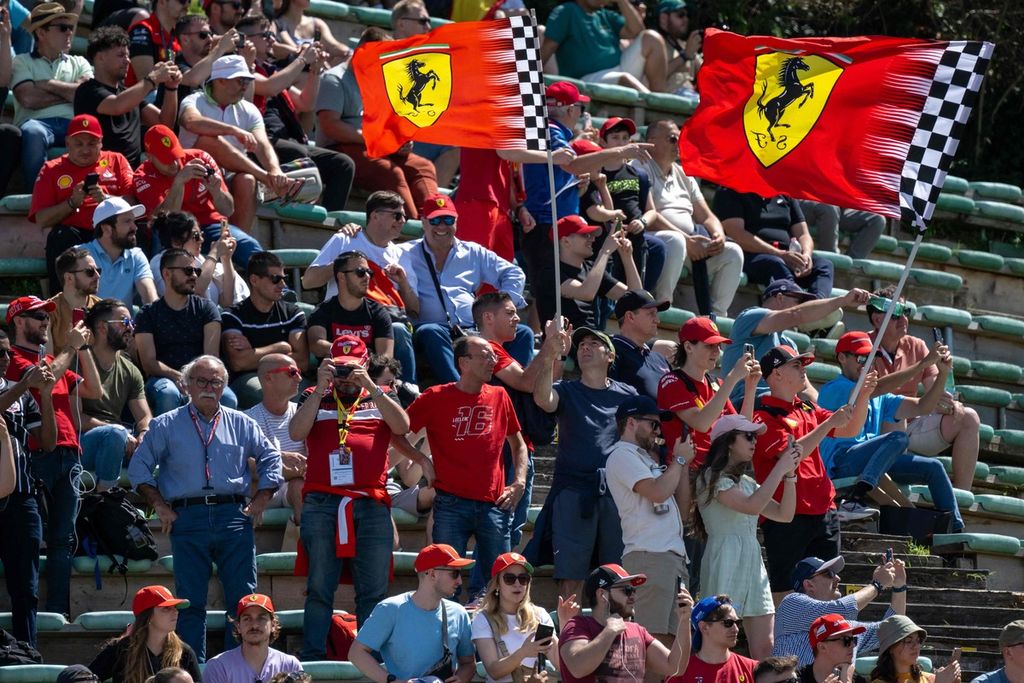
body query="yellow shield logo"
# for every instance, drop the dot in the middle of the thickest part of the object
(419, 84)
(790, 92)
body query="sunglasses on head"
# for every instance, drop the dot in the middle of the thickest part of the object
(360, 272)
(89, 272)
(447, 220)
(290, 370)
(847, 641)
(511, 579)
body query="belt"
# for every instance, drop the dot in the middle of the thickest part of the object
(218, 499)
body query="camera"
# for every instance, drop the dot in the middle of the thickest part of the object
(210, 171)
(343, 371)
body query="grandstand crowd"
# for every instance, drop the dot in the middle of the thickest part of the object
(174, 351)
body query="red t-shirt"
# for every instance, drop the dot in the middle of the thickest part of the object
(67, 434)
(151, 186)
(505, 359)
(814, 491)
(368, 440)
(486, 178)
(735, 669)
(466, 433)
(626, 660)
(674, 395)
(58, 177)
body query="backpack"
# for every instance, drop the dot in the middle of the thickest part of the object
(15, 652)
(340, 636)
(109, 524)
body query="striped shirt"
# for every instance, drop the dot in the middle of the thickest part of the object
(797, 612)
(275, 427)
(21, 416)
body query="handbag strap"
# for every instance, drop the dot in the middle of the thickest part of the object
(437, 284)
(444, 628)
(518, 674)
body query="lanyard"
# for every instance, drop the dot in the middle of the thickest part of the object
(206, 441)
(344, 417)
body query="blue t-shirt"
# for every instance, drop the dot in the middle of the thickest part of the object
(586, 426)
(743, 333)
(21, 40)
(881, 409)
(997, 676)
(538, 190)
(119, 278)
(409, 638)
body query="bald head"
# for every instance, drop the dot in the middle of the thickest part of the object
(273, 361)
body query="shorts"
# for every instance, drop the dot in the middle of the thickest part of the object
(925, 434)
(630, 62)
(577, 539)
(405, 499)
(655, 607)
(785, 544)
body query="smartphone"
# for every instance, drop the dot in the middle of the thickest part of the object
(544, 631)
(888, 554)
(317, 35)
(42, 354)
(77, 316)
(225, 229)
(791, 441)
(749, 349)
(240, 41)
(91, 180)
(838, 671)
(938, 335)
(956, 655)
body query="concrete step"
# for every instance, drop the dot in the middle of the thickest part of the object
(929, 577)
(955, 597)
(923, 613)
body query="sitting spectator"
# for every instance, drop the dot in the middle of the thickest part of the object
(1011, 636)
(683, 45)
(716, 631)
(173, 330)
(828, 221)
(224, 15)
(715, 263)
(287, 93)
(815, 585)
(728, 504)
(124, 270)
(261, 325)
(833, 642)
(256, 626)
(70, 187)
(586, 38)
(150, 645)
(775, 240)
(899, 649)
(295, 29)
(902, 363)
(153, 39)
(123, 112)
(608, 645)
(44, 83)
(585, 275)
(636, 363)
(81, 279)
(871, 454)
(200, 48)
(218, 281)
(775, 670)
(221, 122)
(106, 442)
(448, 273)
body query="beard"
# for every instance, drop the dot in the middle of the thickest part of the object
(126, 242)
(37, 337)
(115, 340)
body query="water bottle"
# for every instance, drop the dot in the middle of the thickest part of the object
(586, 121)
(794, 245)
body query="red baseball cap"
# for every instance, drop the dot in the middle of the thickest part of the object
(349, 349)
(564, 93)
(857, 343)
(155, 596)
(257, 600)
(702, 329)
(24, 304)
(584, 146)
(439, 555)
(573, 225)
(506, 560)
(829, 626)
(617, 121)
(85, 124)
(163, 145)
(437, 205)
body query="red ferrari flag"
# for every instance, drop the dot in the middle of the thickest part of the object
(869, 123)
(468, 84)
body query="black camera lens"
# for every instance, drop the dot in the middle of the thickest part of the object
(342, 371)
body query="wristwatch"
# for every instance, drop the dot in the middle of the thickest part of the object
(878, 586)
(680, 460)
(392, 678)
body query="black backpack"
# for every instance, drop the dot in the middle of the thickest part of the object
(16, 652)
(109, 524)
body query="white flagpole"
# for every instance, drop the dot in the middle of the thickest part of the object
(554, 237)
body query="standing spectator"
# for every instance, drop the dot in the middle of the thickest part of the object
(224, 14)
(80, 277)
(776, 670)
(173, 330)
(467, 423)
(200, 449)
(60, 198)
(347, 422)
(581, 518)
(652, 501)
(262, 324)
(218, 280)
(1011, 636)
(44, 83)
(815, 584)
(124, 270)
(899, 649)
(775, 240)
(10, 135)
(153, 39)
(415, 630)
(828, 221)
(716, 631)
(351, 312)
(256, 626)
(123, 112)
(636, 362)
(833, 642)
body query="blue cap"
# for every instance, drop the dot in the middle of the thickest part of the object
(787, 287)
(700, 612)
(809, 566)
(641, 405)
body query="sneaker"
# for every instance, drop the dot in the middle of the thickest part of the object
(851, 510)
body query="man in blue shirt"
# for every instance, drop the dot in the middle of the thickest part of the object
(124, 269)
(201, 494)
(871, 453)
(1012, 671)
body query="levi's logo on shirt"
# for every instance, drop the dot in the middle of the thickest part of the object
(473, 421)
(361, 331)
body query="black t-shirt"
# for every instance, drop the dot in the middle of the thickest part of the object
(369, 322)
(121, 133)
(637, 366)
(629, 189)
(581, 313)
(177, 335)
(768, 218)
(109, 663)
(264, 329)
(279, 116)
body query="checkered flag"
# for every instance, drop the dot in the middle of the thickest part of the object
(526, 46)
(954, 88)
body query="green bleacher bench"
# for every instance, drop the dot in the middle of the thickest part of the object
(954, 203)
(113, 620)
(880, 270)
(332, 671)
(961, 366)
(964, 499)
(1004, 474)
(30, 673)
(936, 253)
(945, 315)
(16, 203)
(306, 308)
(343, 217)
(296, 258)
(45, 621)
(11, 267)
(724, 325)
(981, 469)
(1002, 505)
(980, 260)
(413, 229)
(986, 433)
(1001, 325)
(824, 348)
(1015, 265)
(276, 518)
(328, 9)
(87, 565)
(214, 619)
(999, 211)
(956, 185)
(822, 372)
(532, 513)
(275, 563)
(403, 518)
(802, 341)
(864, 665)
(403, 562)
(582, 86)
(674, 104)
(886, 244)
(839, 261)
(673, 318)
(986, 396)
(371, 16)
(1019, 400)
(1002, 192)
(167, 562)
(615, 94)
(995, 544)
(302, 212)
(1010, 437)
(997, 371)
(936, 279)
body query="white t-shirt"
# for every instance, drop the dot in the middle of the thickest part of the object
(513, 638)
(642, 528)
(275, 427)
(674, 195)
(243, 115)
(382, 256)
(216, 283)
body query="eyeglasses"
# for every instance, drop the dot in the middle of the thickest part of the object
(5, 353)
(63, 28)
(203, 35)
(188, 270)
(728, 623)
(628, 590)
(204, 383)
(360, 272)
(196, 236)
(291, 370)
(127, 322)
(447, 220)
(511, 579)
(39, 317)
(89, 272)
(847, 641)
(484, 356)
(422, 21)
(396, 215)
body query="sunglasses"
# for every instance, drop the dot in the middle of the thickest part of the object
(196, 236)
(89, 272)
(291, 371)
(847, 641)
(628, 590)
(653, 422)
(673, 139)
(728, 623)
(36, 316)
(861, 360)
(511, 579)
(275, 279)
(422, 21)
(188, 270)
(749, 436)
(63, 28)
(396, 215)
(5, 353)
(447, 220)
(454, 573)
(203, 35)
(235, 4)
(127, 322)
(829, 573)
(360, 272)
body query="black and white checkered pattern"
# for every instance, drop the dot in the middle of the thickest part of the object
(958, 76)
(526, 46)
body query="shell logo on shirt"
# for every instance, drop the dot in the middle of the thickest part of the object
(792, 424)
(64, 182)
(104, 163)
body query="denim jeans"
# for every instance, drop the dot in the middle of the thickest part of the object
(19, 551)
(37, 137)
(103, 452)
(59, 470)
(370, 567)
(247, 244)
(434, 341)
(886, 454)
(404, 352)
(202, 535)
(763, 268)
(247, 389)
(164, 396)
(456, 519)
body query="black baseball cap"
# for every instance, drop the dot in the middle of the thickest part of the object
(609, 576)
(787, 287)
(634, 300)
(641, 405)
(780, 355)
(809, 566)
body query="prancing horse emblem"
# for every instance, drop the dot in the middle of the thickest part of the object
(420, 79)
(792, 90)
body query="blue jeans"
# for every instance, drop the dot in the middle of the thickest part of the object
(370, 566)
(456, 519)
(202, 535)
(103, 452)
(404, 352)
(19, 551)
(247, 244)
(59, 470)
(37, 137)
(434, 341)
(886, 454)
(164, 396)
(763, 268)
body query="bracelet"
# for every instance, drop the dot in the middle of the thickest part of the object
(147, 78)
(878, 586)
(792, 478)
(901, 589)
(70, 205)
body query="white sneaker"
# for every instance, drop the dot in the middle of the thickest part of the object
(851, 510)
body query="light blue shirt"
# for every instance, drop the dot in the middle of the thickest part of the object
(174, 445)
(119, 277)
(881, 409)
(409, 638)
(997, 676)
(743, 333)
(468, 266)
(231, 667)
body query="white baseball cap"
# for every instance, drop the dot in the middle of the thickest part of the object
(115, 206)
(230, 66)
